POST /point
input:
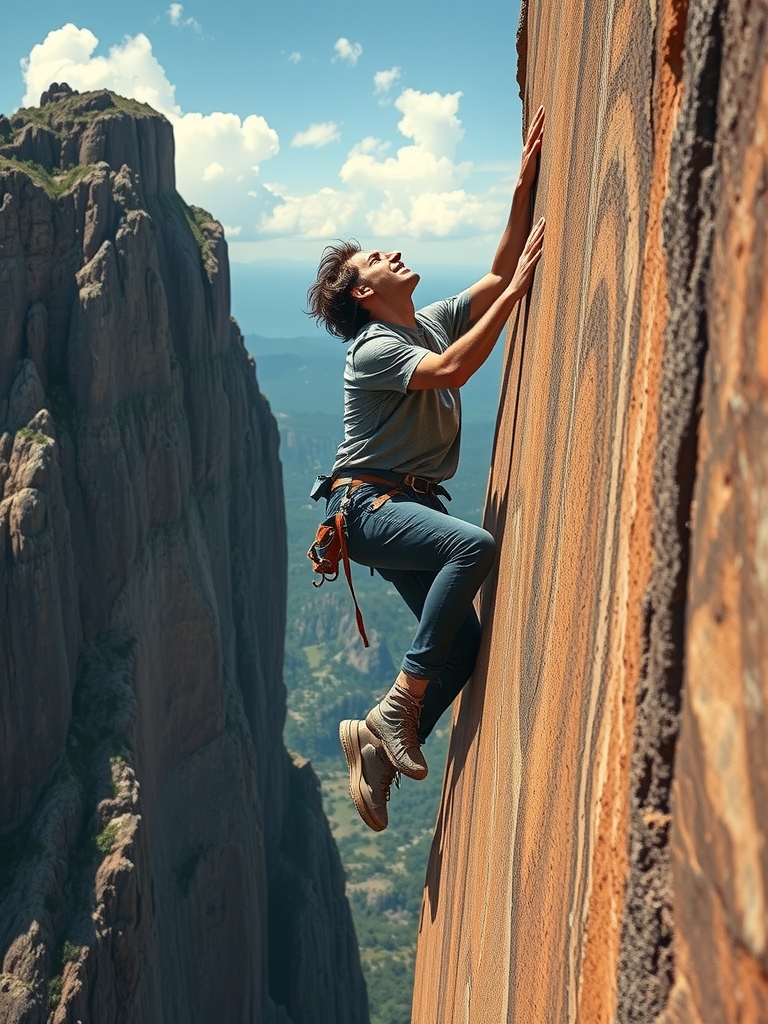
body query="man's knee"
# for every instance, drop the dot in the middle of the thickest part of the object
(486, 550)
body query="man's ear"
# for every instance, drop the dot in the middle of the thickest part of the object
(361, 291)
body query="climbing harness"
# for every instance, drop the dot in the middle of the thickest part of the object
(329, 548)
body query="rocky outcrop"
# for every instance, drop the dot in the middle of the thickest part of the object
(600, 852)
(161, 857)
(71, 130)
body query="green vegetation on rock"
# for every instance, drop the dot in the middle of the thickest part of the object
(54, 991)
(200, 222)
(36, 436)
(55, 183)
(81, 109)
(66, 953)
(105, 840)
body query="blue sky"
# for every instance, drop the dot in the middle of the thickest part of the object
(300, 122)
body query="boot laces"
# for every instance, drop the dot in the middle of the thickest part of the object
(396, 779)
(389, 775)
(411, 706)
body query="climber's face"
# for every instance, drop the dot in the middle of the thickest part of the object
(384, 274)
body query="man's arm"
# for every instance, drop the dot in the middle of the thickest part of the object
(454, 367)
(488, 289)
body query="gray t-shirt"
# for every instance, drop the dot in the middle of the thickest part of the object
(387, 427)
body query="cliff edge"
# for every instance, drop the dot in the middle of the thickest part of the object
(161, 857)
(601, 851)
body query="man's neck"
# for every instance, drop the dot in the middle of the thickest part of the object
(402, 314)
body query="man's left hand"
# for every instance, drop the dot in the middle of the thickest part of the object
(529, 159)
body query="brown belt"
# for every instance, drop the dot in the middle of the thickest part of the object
(419, 484)
(353, 482)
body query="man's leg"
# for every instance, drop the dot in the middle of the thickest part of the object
(410, 535)
(459, 666)
(413, 587)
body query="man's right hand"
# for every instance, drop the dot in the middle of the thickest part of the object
(526, 265)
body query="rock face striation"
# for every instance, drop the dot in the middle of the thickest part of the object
(162, 859)
(601, 851)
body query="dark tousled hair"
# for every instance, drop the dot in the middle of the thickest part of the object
(330, 298)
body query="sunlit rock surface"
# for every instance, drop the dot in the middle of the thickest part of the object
(161, 858)
(601, 848)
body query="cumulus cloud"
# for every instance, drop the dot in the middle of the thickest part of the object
(66, 54)
(412, 166)
(414, 191)
(430, 120)
(384, 80)
(294, 57)
(347, 51)
(237, 146)
(412, 188)
(439, 215)
(317, 135)
(326, 213)
(176, 17)
(419, 183)
(217, 155)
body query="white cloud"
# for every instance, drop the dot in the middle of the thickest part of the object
(324, 214)
(437, 215)
(232, 232)
(413, 192)
(176, 17)
(389, 222)
(443, 214)
(384, 80)
(217, 154)
(411, 167)
(430, 120)
(347, 51)
(317, 135)
(294, 57)
(372, 146)
(213, 171)
(237, 146)
(131, 68)
(420, 197)
(417, 189)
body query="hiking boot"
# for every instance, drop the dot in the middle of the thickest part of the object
(395, 720)
(371, 773)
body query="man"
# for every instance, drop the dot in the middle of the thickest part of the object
(401, 440)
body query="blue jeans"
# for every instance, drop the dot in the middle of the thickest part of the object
(436, 563)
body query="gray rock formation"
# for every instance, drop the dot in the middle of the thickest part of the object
(161, 858)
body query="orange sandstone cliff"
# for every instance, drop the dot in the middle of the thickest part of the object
(161, 857)
(601, 850)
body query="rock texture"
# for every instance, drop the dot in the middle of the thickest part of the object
(601, 851)
(161, 857)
